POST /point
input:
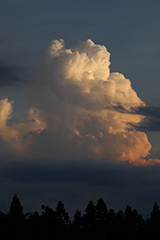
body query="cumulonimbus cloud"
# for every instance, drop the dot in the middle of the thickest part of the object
(79, 98)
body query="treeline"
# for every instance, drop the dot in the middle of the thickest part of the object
(97, 223)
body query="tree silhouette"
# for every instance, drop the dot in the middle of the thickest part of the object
(155, 214)
(119, 225)
(153, 224)
(101, 212)
(15, 220)
(77, 226)
(61, 214)
(97, 223)
(110, 222)
(89, 217)
(89, 221)
(47, 222)
(62, 222)
(77, 221)
(101, 219)
(133, 223)
(16, 209)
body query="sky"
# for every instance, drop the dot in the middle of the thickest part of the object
(79, 103)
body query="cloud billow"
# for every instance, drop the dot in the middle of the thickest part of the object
(87, 110)
(18, 135)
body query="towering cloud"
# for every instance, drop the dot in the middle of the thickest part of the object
(82, 102)
(87, 109)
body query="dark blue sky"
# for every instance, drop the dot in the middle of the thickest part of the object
(130, 30)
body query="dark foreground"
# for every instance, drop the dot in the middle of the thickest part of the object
(97, 223)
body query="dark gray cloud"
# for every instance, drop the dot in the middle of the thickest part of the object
(82, 172)
(10, 74)
(86, 172)
(89, 173)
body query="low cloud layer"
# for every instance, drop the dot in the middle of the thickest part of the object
(80, 101)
